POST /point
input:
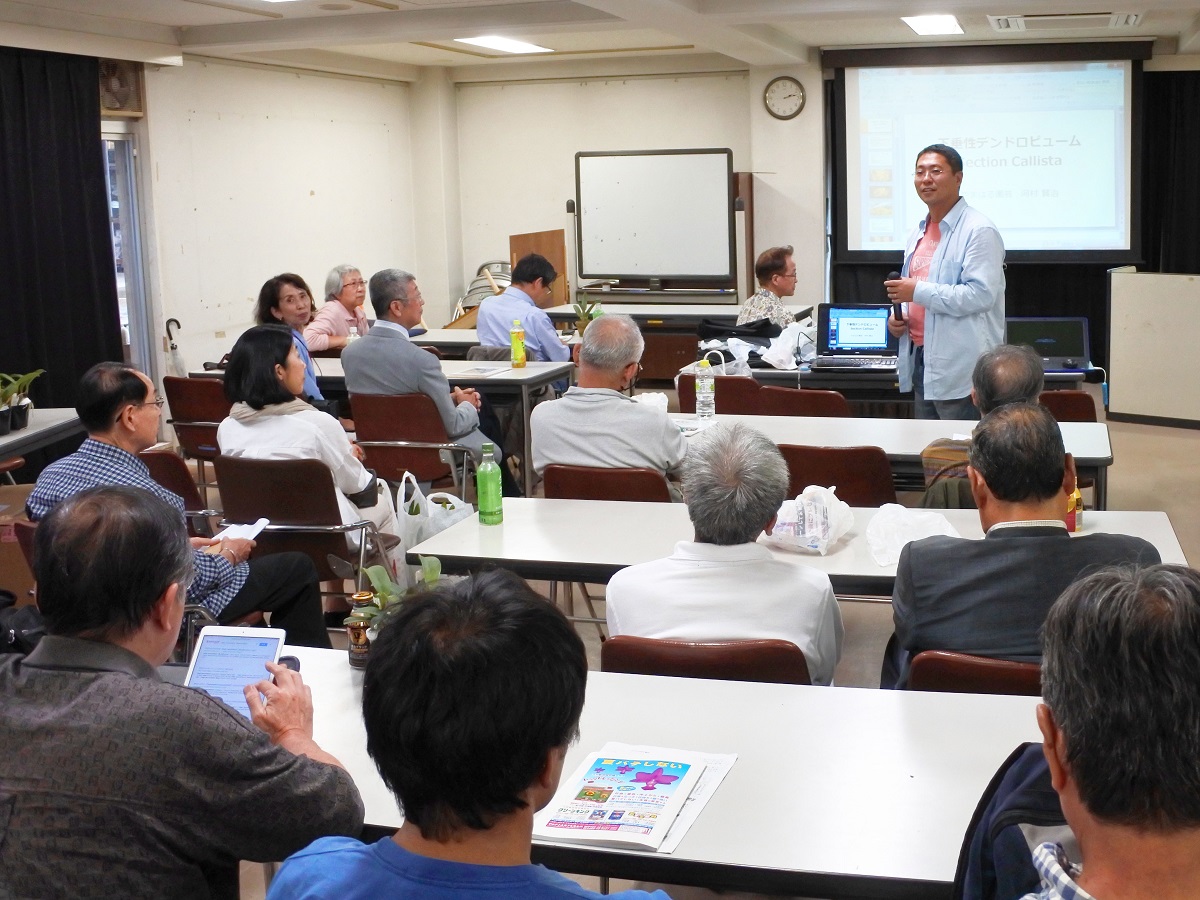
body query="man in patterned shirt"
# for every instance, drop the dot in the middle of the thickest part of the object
(1121, 730)
(119, 409)
(114, 783)
(776, 273)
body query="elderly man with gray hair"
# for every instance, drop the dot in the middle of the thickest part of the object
(594, 423)
(723, 585)
(331, 327)
(1121, 734)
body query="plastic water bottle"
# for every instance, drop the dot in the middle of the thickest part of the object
(706, 397)
(516, 337)
(487, 488)
(353, 334)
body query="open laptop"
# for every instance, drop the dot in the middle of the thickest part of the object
(1061, 341)
(854, 337)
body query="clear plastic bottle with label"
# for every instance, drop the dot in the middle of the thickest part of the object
(706, 396)
(488, 492)
(353, 336)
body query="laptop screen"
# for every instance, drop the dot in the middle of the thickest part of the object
(1052, 338)
(849, 330)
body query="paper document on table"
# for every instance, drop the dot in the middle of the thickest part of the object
(243, 532)
(482, 371)
(716, 767)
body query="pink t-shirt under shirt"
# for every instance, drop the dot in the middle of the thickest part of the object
(919, 269)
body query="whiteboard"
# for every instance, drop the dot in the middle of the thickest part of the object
(656, 214)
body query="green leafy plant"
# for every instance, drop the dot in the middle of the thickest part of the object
(14, 388)
(585, 311)
(389, 595)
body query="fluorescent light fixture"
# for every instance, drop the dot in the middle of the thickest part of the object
(932, 24)
(503, 44)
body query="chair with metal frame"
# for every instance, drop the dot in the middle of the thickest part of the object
(170, 470)
(963, 673)
(862, 475)
(786, 401)
(775, 661)
(594, 483)
(8, 466)
(404, 433)
(198, 406)
(299, 498)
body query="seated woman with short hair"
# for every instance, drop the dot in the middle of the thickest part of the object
(264, 380)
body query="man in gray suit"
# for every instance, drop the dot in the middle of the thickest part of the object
(990, 597)
(385, 361)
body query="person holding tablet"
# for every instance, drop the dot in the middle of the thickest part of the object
(116, 782)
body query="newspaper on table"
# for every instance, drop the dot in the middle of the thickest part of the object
(633, 796)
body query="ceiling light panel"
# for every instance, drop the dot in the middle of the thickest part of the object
(503, 44)
(927, 25)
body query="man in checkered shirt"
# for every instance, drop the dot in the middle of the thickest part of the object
(118, 407)
(1121, 729)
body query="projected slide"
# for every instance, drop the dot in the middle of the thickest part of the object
(1045, 150)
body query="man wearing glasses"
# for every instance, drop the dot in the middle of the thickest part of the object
(117, 405)
(776, 273)
(525, 300)
(952, 291)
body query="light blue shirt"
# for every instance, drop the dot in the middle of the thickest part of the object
(964, 302)
(496, 315)
(310, 371)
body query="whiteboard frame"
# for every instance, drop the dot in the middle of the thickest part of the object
(729, 277)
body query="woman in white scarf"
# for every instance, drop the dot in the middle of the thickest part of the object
(264, 380)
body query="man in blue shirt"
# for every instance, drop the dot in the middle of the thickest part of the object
(952, 290)
(470, 698)
(525, 300)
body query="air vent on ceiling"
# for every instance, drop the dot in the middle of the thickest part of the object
(1064, 21)
(121, 89)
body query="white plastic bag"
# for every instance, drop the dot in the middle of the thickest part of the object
(895, 525)
(441, 511)
(813, 521)
(412, 513)
(719, 366)
(653, 399)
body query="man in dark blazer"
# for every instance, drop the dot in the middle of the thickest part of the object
(385, 361)
(990, 597)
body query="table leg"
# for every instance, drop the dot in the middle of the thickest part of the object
(1101, 487)
(527, 457)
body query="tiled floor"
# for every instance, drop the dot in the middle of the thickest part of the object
(1154, 468)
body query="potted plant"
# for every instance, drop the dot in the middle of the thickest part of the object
(14, 399)
(584, 313)
(365, 620)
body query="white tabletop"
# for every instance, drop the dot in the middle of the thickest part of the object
(447, 337)
(476, 372)
(904, 439)
(832, 786)
(613, 303)
(45, 427)
(592, 539)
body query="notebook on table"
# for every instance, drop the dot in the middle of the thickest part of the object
(1061, 341)
(854, 337)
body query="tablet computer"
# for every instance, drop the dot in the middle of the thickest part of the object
(227, 658)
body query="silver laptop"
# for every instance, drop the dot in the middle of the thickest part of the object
(854, 337)
(1061, 341)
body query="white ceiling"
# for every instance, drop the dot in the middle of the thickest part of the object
(392, 38)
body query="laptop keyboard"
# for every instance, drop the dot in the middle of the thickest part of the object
(855, 362)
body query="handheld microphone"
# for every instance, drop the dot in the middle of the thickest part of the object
(897, 308)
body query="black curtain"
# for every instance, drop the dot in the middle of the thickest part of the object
(59, 287)
(1171, 187)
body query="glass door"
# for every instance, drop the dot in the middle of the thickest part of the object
(120, 156)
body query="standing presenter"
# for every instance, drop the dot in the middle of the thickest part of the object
(952, 288)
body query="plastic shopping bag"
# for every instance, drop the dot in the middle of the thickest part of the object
(812, 522)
